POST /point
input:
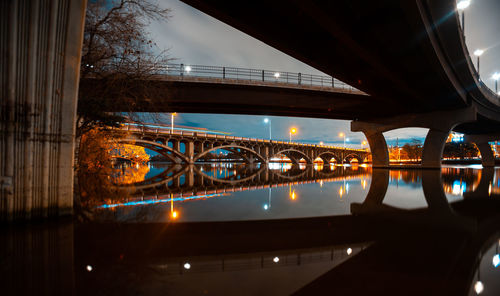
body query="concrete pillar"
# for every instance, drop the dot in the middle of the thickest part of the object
(40, 47)
(433, 148)
(487, 157)
(176, 145)
(190, 176)
(376, 140)
(376, 193)
(190, 151)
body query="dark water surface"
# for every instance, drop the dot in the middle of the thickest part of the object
(234, 229)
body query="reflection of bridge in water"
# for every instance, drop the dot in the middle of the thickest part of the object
(189, 180)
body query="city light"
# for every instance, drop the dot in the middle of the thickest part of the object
(463, 4)
(172, 121)
(495, 76)
(292, 131)
(267, 120)
(89, 268)
(188, 69)
(266, 207)
(321, 143)
(276, 259)
(187, 265)
(478, 287)
(478, 52)
(496, 260)
(276, 75)
(349, 251)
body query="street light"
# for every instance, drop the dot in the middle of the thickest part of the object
(495, 77)
(363, 144)
(172, 122)
(292, 131)
(267, 120)
(478, 53)
(342, 135)
(461, 6)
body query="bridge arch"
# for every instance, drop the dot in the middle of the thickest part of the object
(229, 148)
(356, 156)
(156, 147)
(329, 155)
(289, 152)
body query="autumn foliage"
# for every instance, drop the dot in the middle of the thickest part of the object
(97, 172)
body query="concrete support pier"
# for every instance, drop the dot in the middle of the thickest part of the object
(40, 48)
(440, 124)
(482, 143)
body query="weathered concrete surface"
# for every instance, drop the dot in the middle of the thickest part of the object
(40, 46)
(482, 143)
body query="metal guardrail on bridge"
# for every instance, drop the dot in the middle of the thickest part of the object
(232, 73)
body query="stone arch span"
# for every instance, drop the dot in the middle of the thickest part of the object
(330, 155)
(156, 147)
(290, 152)
(229, 148)
(354, 155)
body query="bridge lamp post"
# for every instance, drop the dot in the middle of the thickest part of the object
(461, 6)
(495, 77)
(172, 122)
(478, 53)
(267, 120)
(292, 131)
(342, 135)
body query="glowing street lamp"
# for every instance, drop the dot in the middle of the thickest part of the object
(495, 77)
(342, 135)
(172, 122)
(292, 131)
(277, 75)
(478, 53)
(461, 6)
(363, 144)
(173, 214)
(267, 120)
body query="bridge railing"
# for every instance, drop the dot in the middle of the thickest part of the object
(253, 75)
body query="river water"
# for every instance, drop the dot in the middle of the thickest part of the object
(235, 229)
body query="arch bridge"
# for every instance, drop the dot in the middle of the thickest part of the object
(191, 147)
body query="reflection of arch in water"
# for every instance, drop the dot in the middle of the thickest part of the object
(160, 179)
(289, 176)
(231, 148)
(293, 155)
(231, 182)
(156, 147)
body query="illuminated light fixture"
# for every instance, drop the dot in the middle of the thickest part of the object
(89, 268)
(188, 69)
(496, 260)
(463, 4)
(276, 259)
(276, 75)
(349, 251)
(478, 287)
(495, 76)
(478, 52)
(266, 207)
(266, 120)
(187, 265)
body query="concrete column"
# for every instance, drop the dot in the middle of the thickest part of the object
(482, 143)
(190, 151)
(433, 148)
(40, 48)
(487, 157)
(176, 145)
(190, 176)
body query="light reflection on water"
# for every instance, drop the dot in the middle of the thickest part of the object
(228, 191)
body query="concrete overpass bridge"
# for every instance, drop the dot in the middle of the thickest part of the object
(409, 57)
(190, 147)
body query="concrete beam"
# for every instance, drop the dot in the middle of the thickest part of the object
(440, 124)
